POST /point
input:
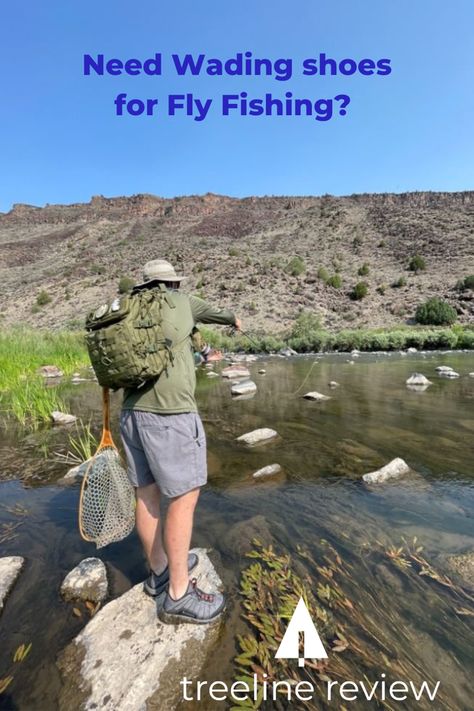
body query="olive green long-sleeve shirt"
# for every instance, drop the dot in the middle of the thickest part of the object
(173, 391)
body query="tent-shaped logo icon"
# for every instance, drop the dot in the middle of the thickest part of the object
(301, 622)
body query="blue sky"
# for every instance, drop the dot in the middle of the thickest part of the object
(60, 141)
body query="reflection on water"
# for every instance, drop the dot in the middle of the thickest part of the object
(323, 448)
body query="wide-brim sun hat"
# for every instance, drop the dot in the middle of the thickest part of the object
(159, 270)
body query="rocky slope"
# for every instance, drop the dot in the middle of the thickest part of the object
(236, 253)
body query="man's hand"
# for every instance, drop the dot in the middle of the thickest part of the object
(238, 324)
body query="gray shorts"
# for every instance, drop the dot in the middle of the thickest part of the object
(169, 450)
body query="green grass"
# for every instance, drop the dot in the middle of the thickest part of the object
(23, 394)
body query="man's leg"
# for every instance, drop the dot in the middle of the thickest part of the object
(149, 526)
(178, 531)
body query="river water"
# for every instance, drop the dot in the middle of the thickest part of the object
(323, 448)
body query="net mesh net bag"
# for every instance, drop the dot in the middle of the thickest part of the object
(107, 508)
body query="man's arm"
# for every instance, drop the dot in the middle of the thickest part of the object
(205, 313)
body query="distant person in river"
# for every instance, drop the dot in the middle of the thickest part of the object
(165, 445)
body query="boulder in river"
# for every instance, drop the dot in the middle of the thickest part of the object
(287, 352)
(10, 569)
(412, 350)
(471, 375)
(62, 418)
(126, 658)
(235, 371)
(462, 565)
(418, 379)
(443, 368)
(244, 387)
(332, 384)
(75, 474)
(50, 371)
(318, 397)
(393, 470)
(239, 538)
(448, 374)
(87, 581)
(263, 434)
(269, 470)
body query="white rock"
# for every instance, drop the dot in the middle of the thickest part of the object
(269, 470)
(443, 368)
(235, 371)
(448, 374)
(319, 397)
(287, 352)
(471, 375)
(261, 435)
(212, 374)
(394, 469)
(87, 581)
(262, 371)
(126, 659)
(50, 371)
(418, 379)
(244, 388)
(412, 350)
(10, 568)
(333, 384)
(62, 418)
(355, 354)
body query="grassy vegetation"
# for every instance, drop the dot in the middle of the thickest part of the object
(23, 394)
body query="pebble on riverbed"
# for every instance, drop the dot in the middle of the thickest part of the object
(418, 379)
(393, 470)
(10, 569)
(269, 470)
(318, 397)
(263, 434)
(87, 581)
(245, 387)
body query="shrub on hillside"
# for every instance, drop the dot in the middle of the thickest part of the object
(398, 283)
(363, 270)
(306, 323)
(43, 298)
(360, 290)
(416, 264)
(323, 274)
(295, 266)
(335, 281)
(435, 312)
(125, 284)
(466, 283)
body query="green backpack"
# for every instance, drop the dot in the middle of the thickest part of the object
(125, 339)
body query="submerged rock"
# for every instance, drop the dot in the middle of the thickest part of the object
(462, 565)
(87, 581)
(235, 371)
(263, 434)
(418, 379)
(448, 374)
(50, 371)
(319, 397)
(212, 374)
(239, 539)
(62, 418)
(393, 470)
(333, 384)
(412, 350)
(443, 368)
(269, 470)
(244, 388)
(262, 371)
(10, 569)
(125, 658)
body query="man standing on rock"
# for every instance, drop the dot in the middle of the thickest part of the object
(165, 445)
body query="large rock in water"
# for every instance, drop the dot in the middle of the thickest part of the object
(235, 371)
(263, 434)
(125, 659)
(87, 581)
(10, 568)
(245, 387)
(393, 470)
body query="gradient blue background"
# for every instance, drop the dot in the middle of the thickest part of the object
(60, 141)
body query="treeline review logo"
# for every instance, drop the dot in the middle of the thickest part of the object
(301, 624)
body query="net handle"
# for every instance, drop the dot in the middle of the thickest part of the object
(106, 440)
